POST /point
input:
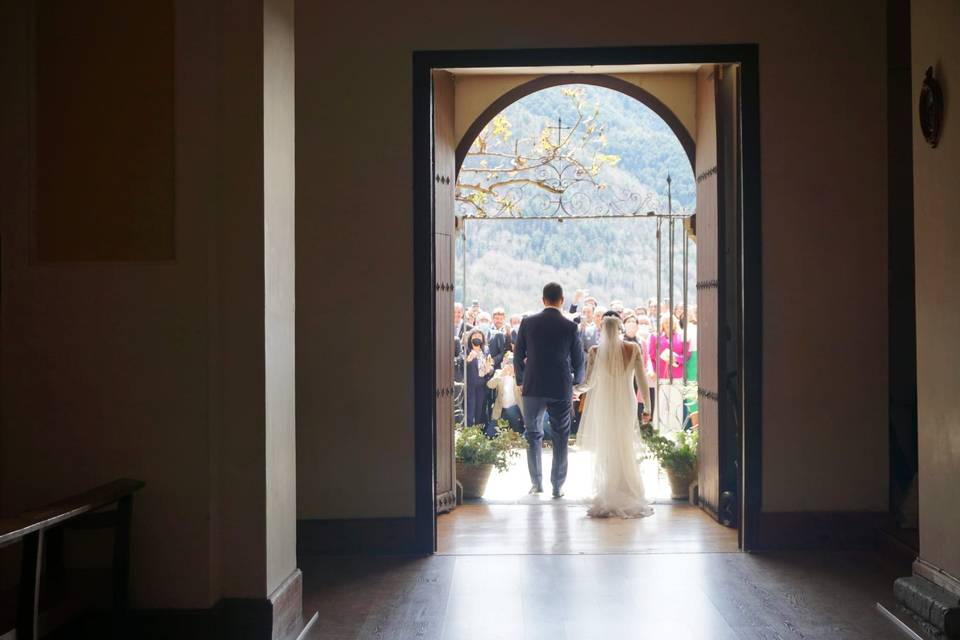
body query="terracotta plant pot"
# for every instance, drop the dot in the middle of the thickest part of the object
(679, 484)
(473, 478)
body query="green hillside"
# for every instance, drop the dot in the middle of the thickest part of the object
(508, 261)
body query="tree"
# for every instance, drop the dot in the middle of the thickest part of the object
(508, 259)
(558, 173)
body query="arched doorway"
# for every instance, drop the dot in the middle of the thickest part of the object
(428, 75)
(614, 83)
(542, 153)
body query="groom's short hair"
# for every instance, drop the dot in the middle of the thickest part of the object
(552, 292)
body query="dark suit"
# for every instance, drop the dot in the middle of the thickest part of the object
(500, 343)
(457, 360)
(589, 336)
(548, 360)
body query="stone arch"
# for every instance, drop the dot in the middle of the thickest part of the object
(599, 80)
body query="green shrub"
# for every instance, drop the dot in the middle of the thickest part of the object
(679, 456)
(474, 447)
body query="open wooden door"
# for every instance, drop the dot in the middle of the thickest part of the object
(730, 200)
(444, 182)
(708, 284)
(718, 202)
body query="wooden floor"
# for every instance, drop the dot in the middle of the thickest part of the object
(550, 527)
(535, 569)
(709, 596)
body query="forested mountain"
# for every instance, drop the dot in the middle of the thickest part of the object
(624, 152)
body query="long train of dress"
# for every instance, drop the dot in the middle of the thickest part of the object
(608, 430)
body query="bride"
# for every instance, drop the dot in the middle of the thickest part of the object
(608, 428)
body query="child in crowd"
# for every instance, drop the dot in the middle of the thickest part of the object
(507, 405)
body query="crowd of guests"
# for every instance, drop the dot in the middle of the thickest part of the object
(484, 343)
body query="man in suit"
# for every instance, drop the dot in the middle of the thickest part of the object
(588, 328)
(515, 320)
(548, 360)
(500, 338)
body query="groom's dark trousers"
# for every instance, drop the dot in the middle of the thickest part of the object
(548, 361)
(559, 411)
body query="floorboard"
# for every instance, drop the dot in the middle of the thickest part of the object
(564, 528)
(712, 596)
(533, 568)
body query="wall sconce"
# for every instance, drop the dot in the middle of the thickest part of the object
(931, 109)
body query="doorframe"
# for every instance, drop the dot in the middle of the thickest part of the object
(424, 320)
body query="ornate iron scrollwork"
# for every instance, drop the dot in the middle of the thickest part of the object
(562, 189)
(542, 178)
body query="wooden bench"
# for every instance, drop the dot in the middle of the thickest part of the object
(41, 533)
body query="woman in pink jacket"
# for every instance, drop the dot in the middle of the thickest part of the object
(667, 356)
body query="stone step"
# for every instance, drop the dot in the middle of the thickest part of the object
(936, 609)
(903, 620)
(310, 629)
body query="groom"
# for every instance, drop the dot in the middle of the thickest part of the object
(548, 362)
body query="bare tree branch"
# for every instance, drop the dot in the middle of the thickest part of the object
(520, 170)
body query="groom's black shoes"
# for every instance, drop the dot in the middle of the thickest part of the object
(535, 489)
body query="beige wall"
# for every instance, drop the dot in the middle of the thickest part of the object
(824, 234)
(278, 238)
(474, 93)
(178, 373)
(102, 349)
(935, 25)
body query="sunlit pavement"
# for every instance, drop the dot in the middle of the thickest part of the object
(511, 486)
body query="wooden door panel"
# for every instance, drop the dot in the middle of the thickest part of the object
(444, 159)
(709, 465)
(729, 190)
(708, 249)
(444, 182)
(707, 333)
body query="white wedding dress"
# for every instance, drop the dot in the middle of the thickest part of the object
(608, 429)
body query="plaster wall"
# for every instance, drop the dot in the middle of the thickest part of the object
(934, 26)
(474, 93)
(825, 428)
(178, 372)
(106, 369)
(279, 290)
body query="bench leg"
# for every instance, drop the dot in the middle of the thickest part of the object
(54, 566)
(28, 605)
(121, 557)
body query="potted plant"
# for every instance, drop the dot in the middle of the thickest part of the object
(677, 457)
(478, 455)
